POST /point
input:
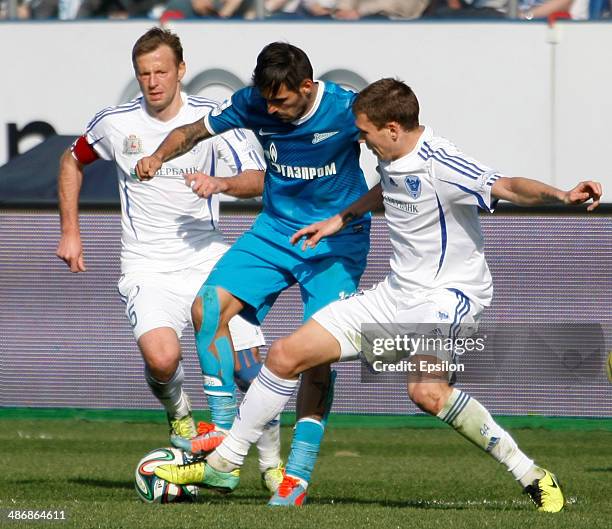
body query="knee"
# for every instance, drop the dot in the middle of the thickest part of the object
(162, 366)
(280, 360)
(429, 396)
(218, 309)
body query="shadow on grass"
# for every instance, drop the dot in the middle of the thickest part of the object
(210, 497)
(599, 469)
(439, 504)
(103, 483)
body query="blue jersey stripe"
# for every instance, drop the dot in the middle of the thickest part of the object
(127, 205)
(451, 164)
(95, 121)
(477, 170)
(481, 201)
(240, 135)
(201, 99)
(257, 159)
(234, 155)
(118, 107)
(466, 165)
(443, 235)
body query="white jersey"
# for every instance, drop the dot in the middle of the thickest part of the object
(165, 225)
(431, 198)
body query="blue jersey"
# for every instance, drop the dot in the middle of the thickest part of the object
(312, 163)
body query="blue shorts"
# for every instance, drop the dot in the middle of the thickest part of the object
(262, 263)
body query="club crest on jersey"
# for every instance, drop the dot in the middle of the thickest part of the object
(413, 186)
(132, 145)
(322, 136)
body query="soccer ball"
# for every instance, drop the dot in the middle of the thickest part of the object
(152, 489)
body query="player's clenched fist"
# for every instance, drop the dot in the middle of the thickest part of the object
(204, 185)
(147, 167)
(70, 250)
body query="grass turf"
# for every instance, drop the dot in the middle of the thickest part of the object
(388, 478)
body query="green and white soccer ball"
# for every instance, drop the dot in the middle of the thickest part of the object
(152, 489)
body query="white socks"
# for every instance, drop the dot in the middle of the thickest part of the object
(268, 445)
(171, 394)
(264, 400)
(471, 419)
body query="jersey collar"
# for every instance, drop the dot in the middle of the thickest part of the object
(425, 136)
(315, 106)
(178, 117)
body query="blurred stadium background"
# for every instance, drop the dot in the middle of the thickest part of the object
(530, 99)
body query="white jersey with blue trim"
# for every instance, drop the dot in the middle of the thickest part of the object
(431, 197)
(165, 225)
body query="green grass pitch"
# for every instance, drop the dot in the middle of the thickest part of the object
(366, 477)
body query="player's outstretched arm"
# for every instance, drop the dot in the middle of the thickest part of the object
(315, 232)
(179, 141)
(527, 192)
(70, 179)
(247, 184)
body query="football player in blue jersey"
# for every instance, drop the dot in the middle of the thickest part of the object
(307, 130)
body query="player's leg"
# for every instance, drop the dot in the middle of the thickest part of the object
(246, 279)
(310, 345)
(331, 334)
(265, 399)
(247, 364)
(472, 420)
(155, 311)
(211, 312)
(160, 349)
(328, 279)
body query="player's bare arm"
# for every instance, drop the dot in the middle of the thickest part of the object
(70, 248)
(179, 141)
(247, 184)
(373, 199)
(527, 192)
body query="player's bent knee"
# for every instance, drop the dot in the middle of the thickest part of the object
(162, 367)
(280, 360)
(428, 396)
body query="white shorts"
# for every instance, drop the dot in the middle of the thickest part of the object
(163, 299)
(385, 306)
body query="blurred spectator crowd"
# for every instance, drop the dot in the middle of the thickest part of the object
(286, 9)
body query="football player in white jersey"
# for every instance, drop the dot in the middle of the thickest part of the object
(439, 278)
(170, 239)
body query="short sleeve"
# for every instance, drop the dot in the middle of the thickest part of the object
(99, 136)
(231, 114)
(238, 151)
(462, 179)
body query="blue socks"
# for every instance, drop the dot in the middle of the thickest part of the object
(305, 449)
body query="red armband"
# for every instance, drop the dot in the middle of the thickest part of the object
(83, 152)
